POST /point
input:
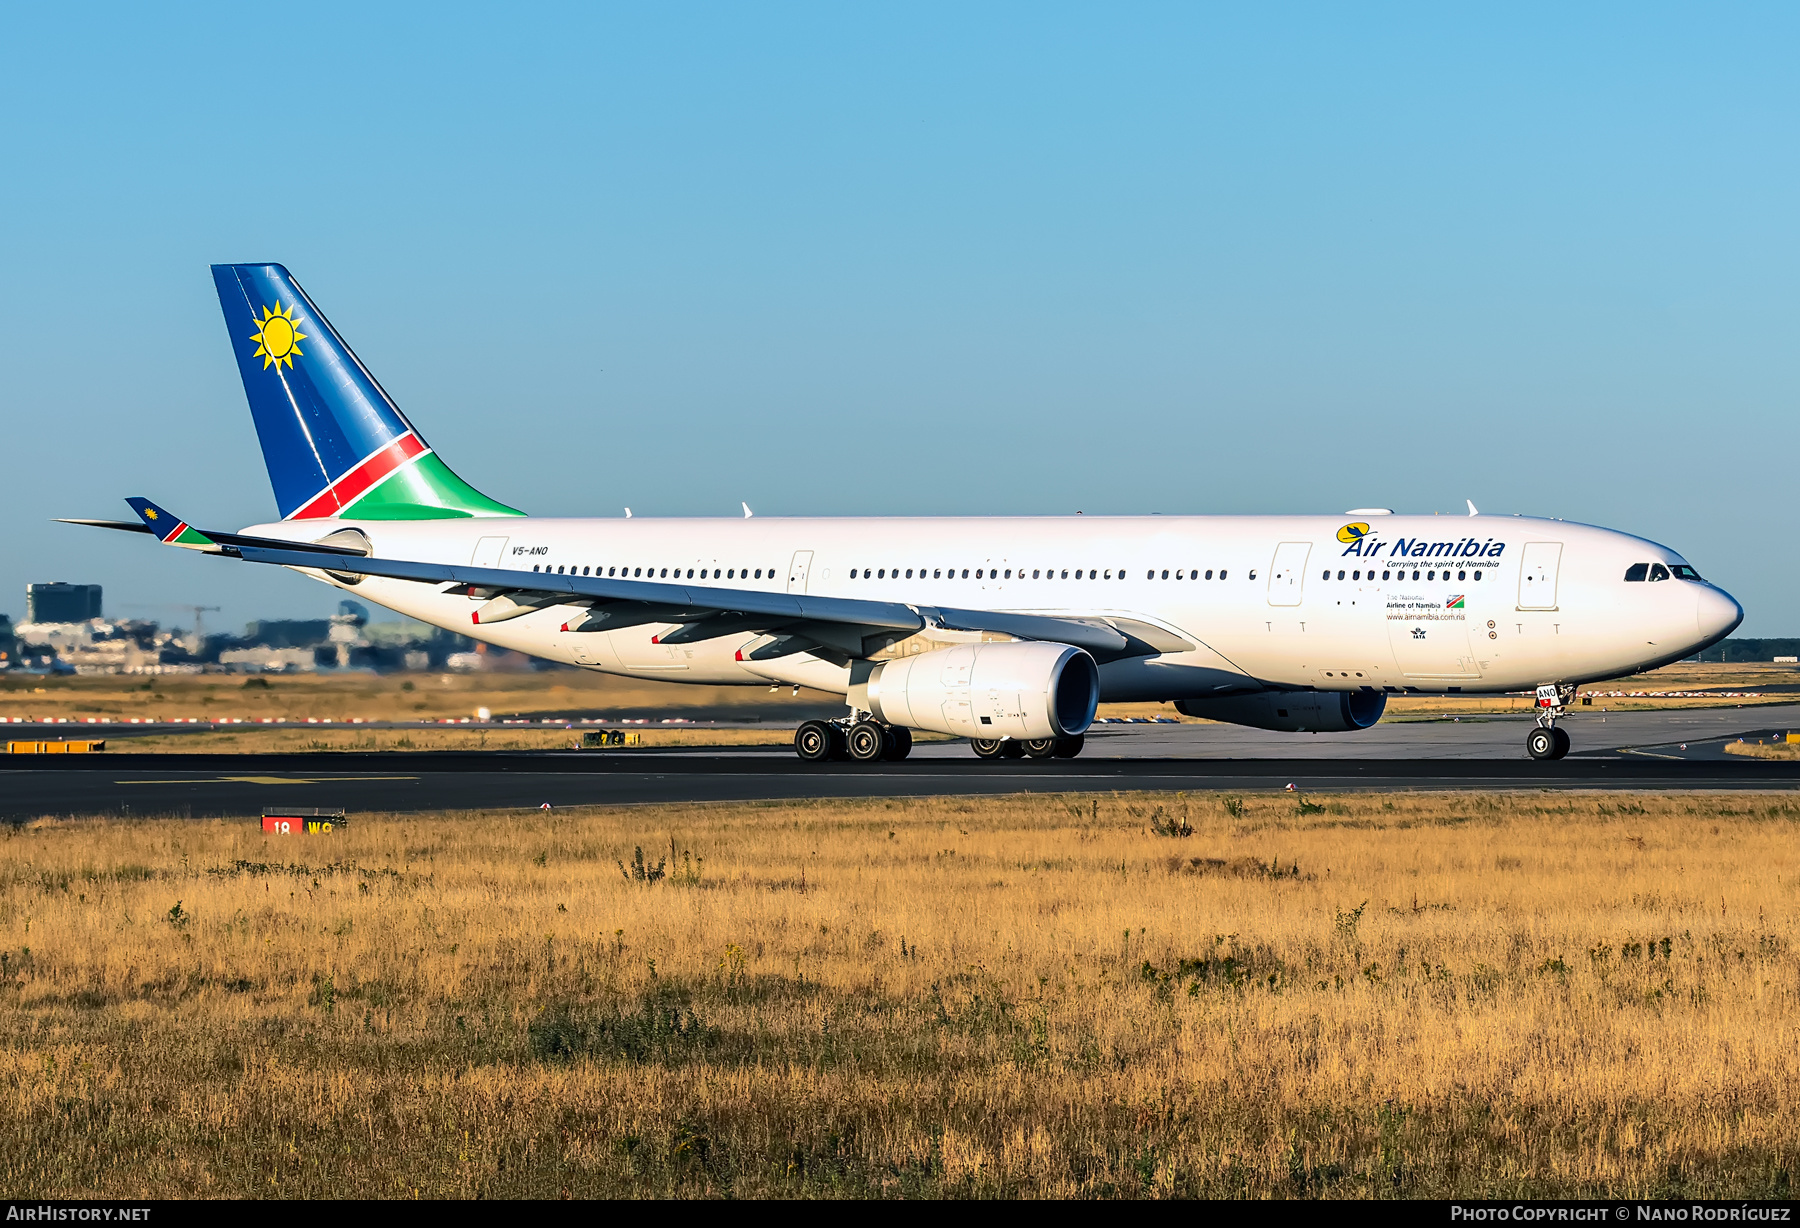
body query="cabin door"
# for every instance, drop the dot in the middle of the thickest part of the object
(1537, 575)
(488, 551)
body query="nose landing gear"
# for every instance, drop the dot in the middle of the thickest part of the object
(1548, 740)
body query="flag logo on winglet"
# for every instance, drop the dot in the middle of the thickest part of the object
(278, 338)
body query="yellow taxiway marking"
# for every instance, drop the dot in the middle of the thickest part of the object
(264, 780)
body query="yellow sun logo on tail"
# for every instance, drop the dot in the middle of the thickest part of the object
(278, 341)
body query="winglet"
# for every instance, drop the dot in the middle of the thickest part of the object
(170, 528)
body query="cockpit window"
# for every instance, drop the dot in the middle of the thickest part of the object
(1637, 571)
(1658, 572)
(1684, 572)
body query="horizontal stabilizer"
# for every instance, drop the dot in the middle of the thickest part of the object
(170, 529)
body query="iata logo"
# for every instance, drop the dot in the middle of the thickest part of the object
(1352, 533)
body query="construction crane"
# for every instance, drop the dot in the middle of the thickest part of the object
(199, 632)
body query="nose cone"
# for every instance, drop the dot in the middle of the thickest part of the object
(1716, 613)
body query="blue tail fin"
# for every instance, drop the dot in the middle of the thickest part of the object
(334, 441)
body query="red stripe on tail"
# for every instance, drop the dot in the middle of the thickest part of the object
(352, 485)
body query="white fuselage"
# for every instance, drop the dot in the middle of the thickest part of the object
(1232, 602)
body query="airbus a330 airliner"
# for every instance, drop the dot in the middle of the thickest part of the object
(1006, 631)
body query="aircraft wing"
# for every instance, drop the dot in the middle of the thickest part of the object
(836, 628)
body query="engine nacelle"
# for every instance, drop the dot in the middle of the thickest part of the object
(1001, 690)
(1292, 711)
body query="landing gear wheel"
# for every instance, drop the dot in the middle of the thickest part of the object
(1542, 743)
(899, 743)
(812, 741)
(986, 748)
(1039, 748)
(1068, 748)
(867, 741)
(1012, 748)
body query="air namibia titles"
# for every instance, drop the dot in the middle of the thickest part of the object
(1419, 548)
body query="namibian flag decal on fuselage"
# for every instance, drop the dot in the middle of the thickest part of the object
(1455, 603)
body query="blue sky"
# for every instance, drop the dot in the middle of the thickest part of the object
(915, 259)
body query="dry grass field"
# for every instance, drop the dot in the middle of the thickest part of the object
(388, 697)
(426, 696)
(1417, 995)
(1761, 750)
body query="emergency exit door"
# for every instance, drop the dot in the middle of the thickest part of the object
(1287, 575)
(797, 571)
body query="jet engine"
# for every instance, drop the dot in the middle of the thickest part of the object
(1021, 689)
(1292, 711)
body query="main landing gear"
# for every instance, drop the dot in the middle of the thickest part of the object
(864, 741)
(1548, 740)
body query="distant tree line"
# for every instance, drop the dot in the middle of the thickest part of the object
(1750, 650)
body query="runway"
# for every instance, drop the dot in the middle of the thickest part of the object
(1633, 751)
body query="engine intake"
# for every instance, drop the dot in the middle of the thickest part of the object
(1004, 690)
(1292, 711)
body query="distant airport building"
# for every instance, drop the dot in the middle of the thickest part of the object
(61, 603)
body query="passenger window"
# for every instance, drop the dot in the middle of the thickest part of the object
(1384, 575)
(534, 567)
(1658, 572)
(1635, 573)
(1326, 574)
(1340, 575)
(1222, 574)
(965, 574)
(1034, 573)
(1415, 575)
(1008, 575)
(1478, 575)
(1209, 573)
(1462, 575)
